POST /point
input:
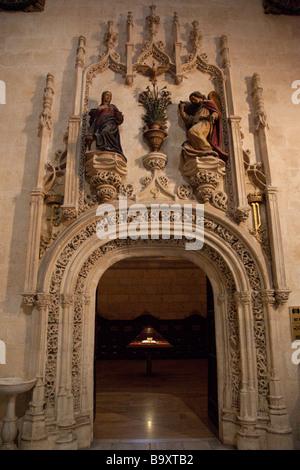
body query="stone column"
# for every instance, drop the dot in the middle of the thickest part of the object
(177, 50)
(65, 403)
(69, 207)
(279, 432)
(224, 50)
(241, 208)
(37, 194)
(272, 211)
(70, 196)
(129, 50)
(88, 338)
(227, 422)
(276, 245)
(34, 435)
(247, 435)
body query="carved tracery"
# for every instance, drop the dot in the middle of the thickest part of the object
(89, 231)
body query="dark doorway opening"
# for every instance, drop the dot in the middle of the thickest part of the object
(180, 396)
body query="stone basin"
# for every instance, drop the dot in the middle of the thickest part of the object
(12, 386)
(15, 385)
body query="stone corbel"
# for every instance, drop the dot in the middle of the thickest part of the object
(105, 172)
(204, 175)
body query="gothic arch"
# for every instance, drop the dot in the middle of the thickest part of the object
(64, 315)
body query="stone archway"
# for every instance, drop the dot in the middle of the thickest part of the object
(252, 413)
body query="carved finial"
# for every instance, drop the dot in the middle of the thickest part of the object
(195, 35)
(45, 116)
(260, 117)
(130, 18)
(176, 19)
(153, 20)
(225, 51)
(111, 37)
(80, 52)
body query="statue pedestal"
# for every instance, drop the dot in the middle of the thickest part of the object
(155, 161)
(204, 174)
(105, 172)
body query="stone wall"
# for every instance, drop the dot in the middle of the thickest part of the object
(166, 290)
(34, 44)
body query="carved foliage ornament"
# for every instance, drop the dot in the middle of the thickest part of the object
(22, 5)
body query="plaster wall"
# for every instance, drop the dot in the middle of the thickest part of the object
(34, 44)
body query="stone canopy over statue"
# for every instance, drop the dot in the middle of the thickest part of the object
(203, 121)
(104, 126)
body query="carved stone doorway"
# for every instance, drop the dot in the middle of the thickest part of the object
(173, 296)
(60, 416)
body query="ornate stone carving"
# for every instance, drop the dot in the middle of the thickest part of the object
(29, 299)
(153, 52)
(69, 213)
(105, 171)
(195, 36)
(227, 237)
(155, 161)
(46, 116)
(243, 297)
(185, 192)
(80, 52)
(267, 296)
(155, 187)
(153, 20)
(42, 300)
(155, 103)
(219, 200)
(254, 171)
(67, 299)
(260, 117)
(204, 175)
(54, 201)
(282, 296)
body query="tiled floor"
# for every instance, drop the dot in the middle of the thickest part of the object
(159, 444)
(164, 411)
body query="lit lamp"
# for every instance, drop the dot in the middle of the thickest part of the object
(149, 340)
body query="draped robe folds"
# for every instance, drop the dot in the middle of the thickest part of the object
(104, 127)
(204, 137)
